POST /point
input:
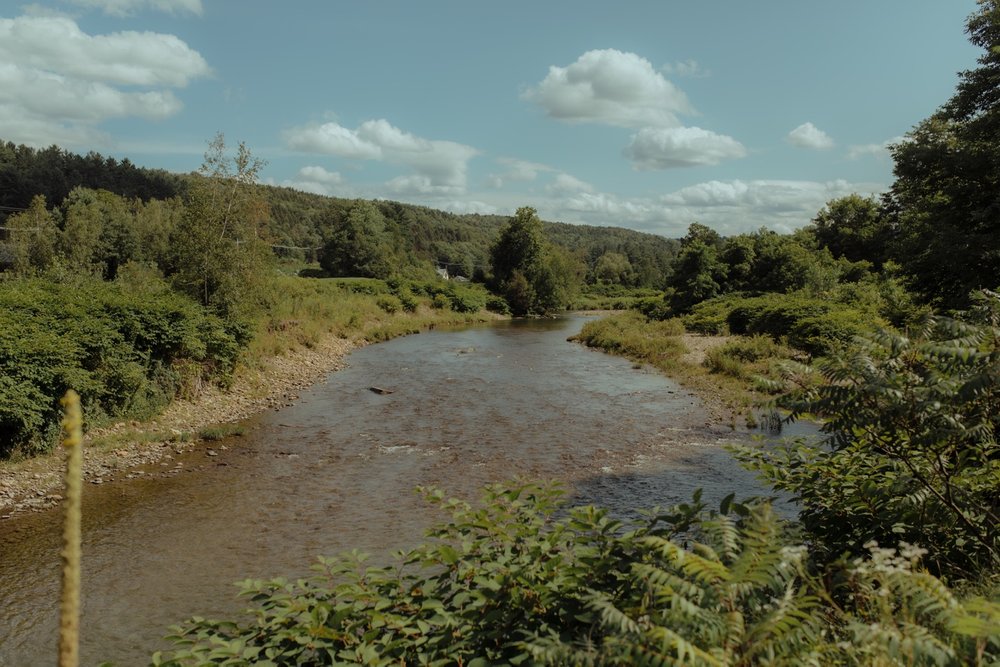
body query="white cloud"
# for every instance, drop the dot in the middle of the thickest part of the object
(439, 166)
(56, 44)
(688, 68)
(663, 148)
(333, 139)
(730, 207)
(318, 180)
(564, 183)
(420, 184)
(466, 206)
(612, 87)
(808, 135)
(129, 7)
(878, 151)
(320, 175)
(58, 83)
(46, 95)
(517, 171)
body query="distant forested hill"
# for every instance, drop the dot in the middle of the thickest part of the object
(300, 223)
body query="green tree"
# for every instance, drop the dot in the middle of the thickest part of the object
(912, 450)
(853, 227)
(534, 276)
(220, 257)
(155, 224)
(947, 175)
(613, 268)
(99, 232)
(33, 237)
(358, 244)
(699, 273)
(520, 246)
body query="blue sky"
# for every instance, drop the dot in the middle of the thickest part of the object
(648, 115)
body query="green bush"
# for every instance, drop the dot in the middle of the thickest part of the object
(526, 580)
(116, 345)
(812, 324)
(497, 304)
(911, 452)
(408, 301)
(819, 335)
(389, 303)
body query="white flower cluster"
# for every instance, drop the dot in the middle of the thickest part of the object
(884, 561)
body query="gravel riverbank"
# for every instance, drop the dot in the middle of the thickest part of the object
(119, 450)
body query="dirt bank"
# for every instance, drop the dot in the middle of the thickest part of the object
(118, 450)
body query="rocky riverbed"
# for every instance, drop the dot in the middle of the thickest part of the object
(127, 449)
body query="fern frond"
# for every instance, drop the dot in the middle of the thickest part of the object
(703, 569)
(686, 653)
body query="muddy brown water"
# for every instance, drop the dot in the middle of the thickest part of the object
(337, 471)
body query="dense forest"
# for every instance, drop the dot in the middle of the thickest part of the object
(878, 318)
(300, 225)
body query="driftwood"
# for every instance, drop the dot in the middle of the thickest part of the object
(380, 390)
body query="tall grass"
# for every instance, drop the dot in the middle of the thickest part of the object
(306, 310)
(731, 375)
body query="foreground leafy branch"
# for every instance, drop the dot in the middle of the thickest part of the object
(525, 580)
(912, 451)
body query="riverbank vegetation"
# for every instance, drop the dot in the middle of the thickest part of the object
(135, 286)
(877, 319)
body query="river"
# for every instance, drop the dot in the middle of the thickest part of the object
(337, 471)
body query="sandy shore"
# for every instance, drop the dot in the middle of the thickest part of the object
(117, 451)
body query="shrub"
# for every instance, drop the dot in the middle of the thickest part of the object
(118, 346)
(467, 300)
(410, 303)
(497, 304)
(525, 580)
(911, 452)
(389, 303)
(811, 324)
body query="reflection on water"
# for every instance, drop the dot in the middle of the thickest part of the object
(337, 470)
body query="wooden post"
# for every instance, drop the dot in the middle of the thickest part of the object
(69, 604)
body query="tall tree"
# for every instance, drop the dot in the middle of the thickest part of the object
(358, 244)
(853, 227)
(220, 257)
(534, 276)
(33, 237)
(946, 198)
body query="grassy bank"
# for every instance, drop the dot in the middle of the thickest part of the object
(732, 371)
(133, 346)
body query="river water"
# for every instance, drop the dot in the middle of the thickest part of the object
(337, 471)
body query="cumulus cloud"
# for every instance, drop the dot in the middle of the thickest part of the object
(439, 166)
(664, 148)
(730, 207)
(879, 151)
(320, 175)
(517, 171)
(58, 82)
(564, 183)
(612, 87)
(622, 89)
(129, 7)
(56, 44)
(808, 135)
